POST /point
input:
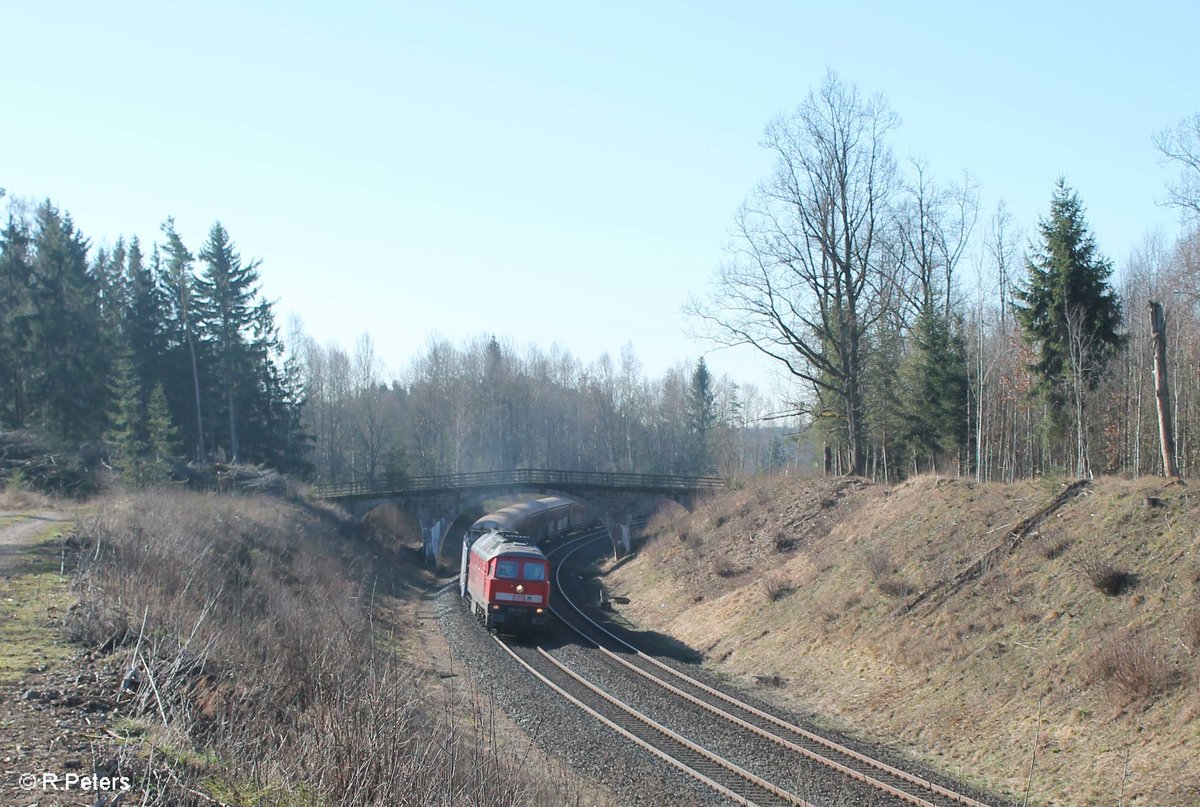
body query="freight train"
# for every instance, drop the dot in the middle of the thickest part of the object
(504, 576)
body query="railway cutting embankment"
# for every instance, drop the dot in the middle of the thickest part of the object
(1039, 638)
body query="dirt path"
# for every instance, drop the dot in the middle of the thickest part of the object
(16, 535)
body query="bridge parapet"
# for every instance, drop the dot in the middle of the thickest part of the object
(436, 500)
(641, 483)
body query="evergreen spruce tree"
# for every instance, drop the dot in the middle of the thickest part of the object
(270, 424)
(937, 388)
(161, 443)
(16, 313)
(145, 317)
(292, 454)
(226, 293)
(109, 269)
(126, 437)
(701, 417)
(68, 334)
(183, 372)
(1067, 305)
(885, 398)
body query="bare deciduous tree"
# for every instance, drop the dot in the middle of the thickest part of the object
(1181, 145)
(933, 224)
(806, 266)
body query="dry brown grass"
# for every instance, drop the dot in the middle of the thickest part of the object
(962, 678)
(17, 497)
(250, 624)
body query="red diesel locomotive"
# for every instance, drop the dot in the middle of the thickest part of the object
(507, 581)
(504, 574)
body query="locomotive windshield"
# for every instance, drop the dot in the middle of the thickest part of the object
(506, 569)
(535, 571)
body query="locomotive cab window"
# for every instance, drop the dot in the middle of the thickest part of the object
(534, 571)
(506, 569)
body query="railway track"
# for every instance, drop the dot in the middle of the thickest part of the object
(892, 785)
(725, 777)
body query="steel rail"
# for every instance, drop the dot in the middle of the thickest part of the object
(916, 781)
(721, 762)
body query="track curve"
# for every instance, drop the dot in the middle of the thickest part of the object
(892, 784)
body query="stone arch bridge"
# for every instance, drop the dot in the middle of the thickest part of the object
(436, 501)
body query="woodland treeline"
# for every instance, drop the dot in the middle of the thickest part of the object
(152, 357)
(143, 357)
(488, 406)
(850, 270)
(921, 333)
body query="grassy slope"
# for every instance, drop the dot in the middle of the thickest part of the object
(289, 653)
(803, 580)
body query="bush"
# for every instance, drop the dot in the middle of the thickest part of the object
(1104, 576)
(895, 587)
(776, 587)
(878, 561)
(1053, 549)
(724, 567)
(1191, 630)
(1134, 664)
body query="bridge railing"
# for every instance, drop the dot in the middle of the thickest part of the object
(523, 476)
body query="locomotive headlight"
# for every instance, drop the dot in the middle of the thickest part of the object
(520, 588)
(539, 610)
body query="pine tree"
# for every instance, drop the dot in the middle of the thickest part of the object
(937, 388)
(1067, 300)
(225, 297)
(1070, 315)
(16, 270)
(68, 335)
(701, 417)
(145, 317)
(184, 369)
(161, 444)
(126, 436)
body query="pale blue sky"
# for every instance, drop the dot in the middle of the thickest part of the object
(552, 171)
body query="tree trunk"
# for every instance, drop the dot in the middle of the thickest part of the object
(1166, 432)
(196, 388)
(233, 435)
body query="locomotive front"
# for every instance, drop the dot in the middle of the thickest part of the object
(507, 581)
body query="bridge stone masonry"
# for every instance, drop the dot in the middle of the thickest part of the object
(437, 501)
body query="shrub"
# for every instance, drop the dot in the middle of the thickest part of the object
(1191, 630)
(773, 680)
(776, 587)
(1053, 549)
(1133, 664)
(784, 541)
(724, 568)
(879, 562)
(1105, 576)
(895, 587)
